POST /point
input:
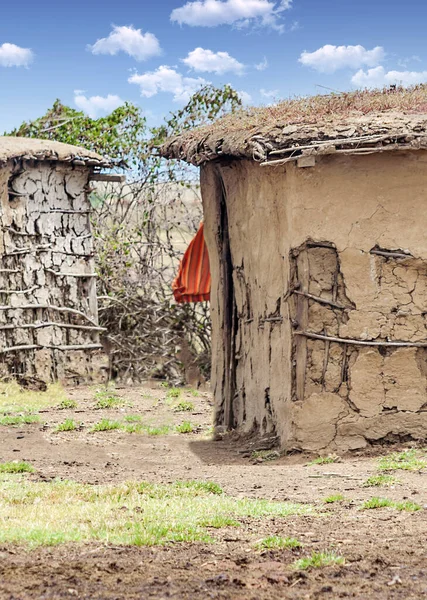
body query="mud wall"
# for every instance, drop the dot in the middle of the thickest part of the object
(329, 274)
(48, 306)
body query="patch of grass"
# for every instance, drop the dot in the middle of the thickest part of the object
(9, 420)
(323, 460)
(133, 428)
(154, 430)
(106, 425)
(67, 425)
(193, 392)
(107, 399)
(185, 427)
(334, 498)
(173, 394)
(14, 399)
(379, 480)
(66, 404)
(275, 542)
(184, 406)
(133, 419)
(386, 503)
(409, 460)
(16, 467)
(317, 560)
(265, 455)
(38, 513)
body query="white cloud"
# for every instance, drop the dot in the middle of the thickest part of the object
(242, 13)
(269, 93)
(262, 66)
(245, 97)
(130, 40)
(379, 77)
(167, 79)
(96, 105)
(12, 55)
(329, 59)
(213, 62)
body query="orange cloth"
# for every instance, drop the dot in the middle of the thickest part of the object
(193, 282)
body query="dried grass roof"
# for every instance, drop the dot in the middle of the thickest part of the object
(362, 121)
(34, 149)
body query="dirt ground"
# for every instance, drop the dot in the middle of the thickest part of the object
(385, 550)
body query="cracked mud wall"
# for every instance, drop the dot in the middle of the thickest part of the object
(350, 231)
(48, 306)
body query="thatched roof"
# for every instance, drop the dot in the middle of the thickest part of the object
(34, 149)
(356, 122)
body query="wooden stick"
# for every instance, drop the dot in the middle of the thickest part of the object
(107, 177)
(61, 274)
(52, 324)
(322, 300)
(390, 254)
(335, 142)
(326, 338)
(40, 347)
(10, 271)
(63, 309)
(36, 287)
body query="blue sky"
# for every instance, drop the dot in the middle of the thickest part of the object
(154, 53)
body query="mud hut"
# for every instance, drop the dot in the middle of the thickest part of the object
(315, 221)
(48, 306)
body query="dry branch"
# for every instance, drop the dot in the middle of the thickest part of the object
(353, 342)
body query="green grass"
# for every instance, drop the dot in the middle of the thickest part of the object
(157, 430)
(323, 460)
(133, 419)
(409, 460)
(185, 427)
(67, 425)
(334, 498)
(13, 399)
(317, 560)
(107, 399)
(139, 514)
(9, 420)
(380, 480)
(193, 393)
(106, 425)
(275, 542)
(66, 404)
(16, 467)
(376, 502)
(133, 428)
(184, 406)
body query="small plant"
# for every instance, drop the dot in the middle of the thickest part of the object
(317, 560)
(184, 406)
(16, 467)
(66, 404)
(193, 393)
(8, 420)
(205, 487)
(106, 425)
(323, 460)
(67, 425)
(277, 543)
(185, 427)
(107, 399)
(379, 480)
(407, 506)
(334, 498)
(407, 461)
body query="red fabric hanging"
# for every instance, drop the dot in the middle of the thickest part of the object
(193, 282)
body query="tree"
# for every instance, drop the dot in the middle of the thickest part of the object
(140, 230)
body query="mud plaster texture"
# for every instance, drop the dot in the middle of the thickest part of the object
(284, 240)
(46, 250)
